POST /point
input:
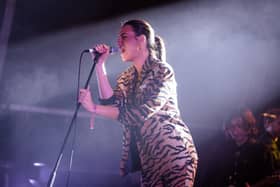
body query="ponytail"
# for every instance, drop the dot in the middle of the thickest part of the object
(160, 49)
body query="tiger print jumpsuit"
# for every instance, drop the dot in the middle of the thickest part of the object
(149, 112)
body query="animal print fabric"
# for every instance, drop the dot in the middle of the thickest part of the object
(149, 112)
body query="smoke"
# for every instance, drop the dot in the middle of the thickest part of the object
(32, 87)
(225, 53)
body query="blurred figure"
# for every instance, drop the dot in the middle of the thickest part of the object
(270, 137)
(249, 164)
(237, 157)
(272, 122)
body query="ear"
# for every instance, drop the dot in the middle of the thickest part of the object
(142, 39)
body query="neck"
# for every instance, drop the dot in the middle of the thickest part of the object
(140, 61)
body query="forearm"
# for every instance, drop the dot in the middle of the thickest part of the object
(104, 86)
(107, 111)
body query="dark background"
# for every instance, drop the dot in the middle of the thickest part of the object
(225, 54)
(33, 18)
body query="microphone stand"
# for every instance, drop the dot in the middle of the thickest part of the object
(57, 163)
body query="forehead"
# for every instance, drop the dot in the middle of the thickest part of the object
(126, 29)
(236, 121)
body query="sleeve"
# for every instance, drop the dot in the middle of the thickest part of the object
(157, 88)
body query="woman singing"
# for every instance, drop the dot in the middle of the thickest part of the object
(144, 101)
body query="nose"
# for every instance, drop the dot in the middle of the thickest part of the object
(119, 42)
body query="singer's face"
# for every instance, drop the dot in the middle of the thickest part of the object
(128, 43)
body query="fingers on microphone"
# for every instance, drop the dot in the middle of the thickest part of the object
(101, 48)
(80, 99)
(82, 93)
(97, 48)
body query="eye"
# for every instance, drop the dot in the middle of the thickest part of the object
(124, 37)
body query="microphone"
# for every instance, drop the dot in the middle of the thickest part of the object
(112, 51)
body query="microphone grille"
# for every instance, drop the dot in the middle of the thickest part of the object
(114, 50)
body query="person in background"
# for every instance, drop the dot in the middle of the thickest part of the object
(270, 137)
(248, 165)
(144, 100)
(238, 157)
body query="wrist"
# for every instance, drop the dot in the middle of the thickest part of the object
(100, 65)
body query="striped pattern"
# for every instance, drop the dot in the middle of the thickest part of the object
(149, 112)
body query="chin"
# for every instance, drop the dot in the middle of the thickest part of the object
(124, 58)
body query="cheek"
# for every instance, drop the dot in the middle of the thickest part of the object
(130, 52)
(129, 47)
(238, 132)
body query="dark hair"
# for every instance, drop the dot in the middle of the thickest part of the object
(155, 44)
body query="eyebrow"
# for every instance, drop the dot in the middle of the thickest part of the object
(126, 33)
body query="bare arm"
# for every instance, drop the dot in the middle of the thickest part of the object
(108, 111)
(104, 86)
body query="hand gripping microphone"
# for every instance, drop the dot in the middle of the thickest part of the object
(113, 50)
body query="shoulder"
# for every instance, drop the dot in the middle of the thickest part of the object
(162, 69)
(126, 75)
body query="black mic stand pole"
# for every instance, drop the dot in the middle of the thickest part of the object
(54, 171)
